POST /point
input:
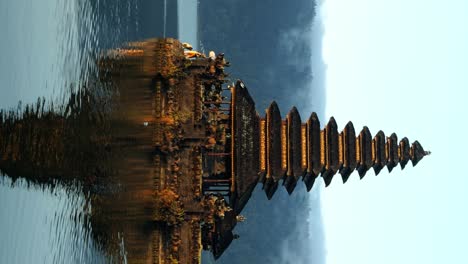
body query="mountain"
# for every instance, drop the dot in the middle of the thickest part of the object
(275, 47)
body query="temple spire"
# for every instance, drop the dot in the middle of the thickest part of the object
(291, 149)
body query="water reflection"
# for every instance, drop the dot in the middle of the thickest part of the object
(124, 139)
(83, 146)
(55, 152)
(44, 224)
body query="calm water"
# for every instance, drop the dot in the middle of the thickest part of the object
(49, 50)
(44, 225)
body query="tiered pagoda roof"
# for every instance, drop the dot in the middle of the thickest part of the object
(290, 149)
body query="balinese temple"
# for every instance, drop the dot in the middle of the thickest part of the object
(186, 147)
(290, 149)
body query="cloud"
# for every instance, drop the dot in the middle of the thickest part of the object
(306, 244)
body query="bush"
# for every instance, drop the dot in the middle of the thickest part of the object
(168, 208)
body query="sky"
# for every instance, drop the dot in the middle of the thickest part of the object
(399, 66)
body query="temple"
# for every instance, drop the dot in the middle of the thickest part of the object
(194, 147)
(290, 149)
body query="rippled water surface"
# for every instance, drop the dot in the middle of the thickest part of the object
(49, 50)
(41, 224)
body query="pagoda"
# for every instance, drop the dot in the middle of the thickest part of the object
(174, 162)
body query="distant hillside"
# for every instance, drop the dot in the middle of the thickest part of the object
(269, 44)
(276, 51)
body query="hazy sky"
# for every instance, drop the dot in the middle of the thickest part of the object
(399, 66)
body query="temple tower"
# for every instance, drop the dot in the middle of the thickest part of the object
(291, 149)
